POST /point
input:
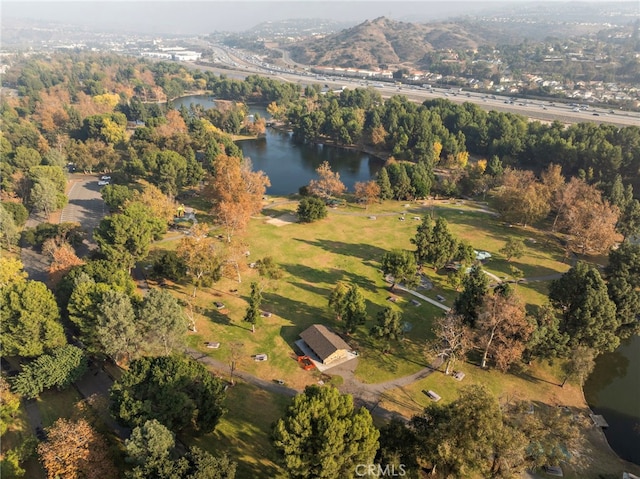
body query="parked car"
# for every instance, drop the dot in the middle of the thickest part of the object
(260, 357)
(103, 183)
(105, 177)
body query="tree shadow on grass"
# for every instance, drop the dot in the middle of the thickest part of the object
(364, 251)
(297, 312)
(309, 277)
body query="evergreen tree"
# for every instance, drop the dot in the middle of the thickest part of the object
(389, 325)
(623, 274)
(386, 192)
(322, 437)
(588, 315)
(253, 310)
(355, 312)
(422, 240)
(468, 302)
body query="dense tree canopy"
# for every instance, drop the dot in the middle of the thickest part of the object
(29, 319)
(178, 392)
(321, 436)
(588, 315)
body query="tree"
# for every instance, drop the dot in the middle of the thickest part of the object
(11, 271)
(623, 284)
(386, 192)
(468, 436)
(337, 300)
(116, 327)
(547, 341)
(588, 218)
(553, 435)
(124, 238)
(177, 391)
(116, 196)
(29, 319)
(328, 184)
(502, 329)
(452, 339)
(74, 450)
(149, 443)
(160, 320)
(588, 315)
(236, 192)
(513, 248)
(8, 229)
(443, 245)
(522, 198)
(63, 258)
(367, 193)
(253, 310)
(321, 436)
(629, 221)
(201, 257)
(44, 197)
(423, 239)
(60, 369)
(389, 325)
(355, 310)
(9, 406)
(468, 302)
(311, 209)
(579, 365)
(401, 266)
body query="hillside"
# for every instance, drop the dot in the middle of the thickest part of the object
(383, 42)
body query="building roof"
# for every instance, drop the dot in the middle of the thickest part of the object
(323, 342)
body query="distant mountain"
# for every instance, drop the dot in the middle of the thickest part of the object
(297, 27)
(383, 42)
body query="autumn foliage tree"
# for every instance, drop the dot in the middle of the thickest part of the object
(367, 193)
(328, 184)
(236, 192)
(74, 450)
(201, 257)
(588, 218)
(502, 329)
(522, 198)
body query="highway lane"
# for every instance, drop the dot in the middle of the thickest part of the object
(547, 111)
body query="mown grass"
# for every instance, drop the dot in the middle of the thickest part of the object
(243, 432)
(348, 246)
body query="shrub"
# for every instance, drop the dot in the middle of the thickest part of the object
(311, 209)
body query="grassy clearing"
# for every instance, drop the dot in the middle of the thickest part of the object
(346, 246)
(243, 433)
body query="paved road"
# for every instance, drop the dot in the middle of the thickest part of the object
(537, 109)
(85, 207)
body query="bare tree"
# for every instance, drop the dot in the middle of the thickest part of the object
(453, 339)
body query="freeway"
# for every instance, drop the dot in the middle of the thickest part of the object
(236, 64)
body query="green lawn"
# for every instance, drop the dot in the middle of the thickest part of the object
(347, 246)
(243, 433)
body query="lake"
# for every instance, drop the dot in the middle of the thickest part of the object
(613, 388)
(291, 164)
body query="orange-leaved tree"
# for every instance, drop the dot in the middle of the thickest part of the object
(74, 450)
(236, 192)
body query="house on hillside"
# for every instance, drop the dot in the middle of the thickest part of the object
(327, 345)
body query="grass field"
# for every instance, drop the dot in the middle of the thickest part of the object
(348, 246)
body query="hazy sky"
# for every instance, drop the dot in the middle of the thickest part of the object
(151, 16)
